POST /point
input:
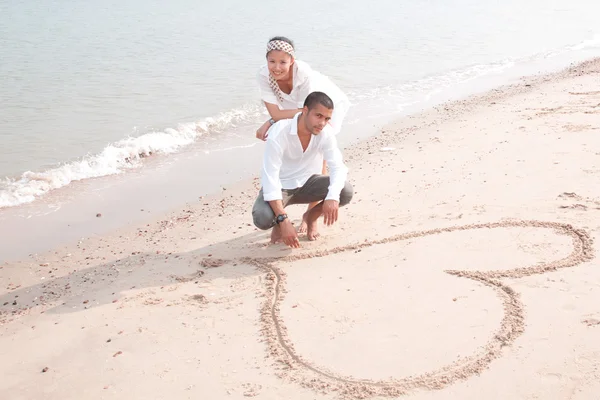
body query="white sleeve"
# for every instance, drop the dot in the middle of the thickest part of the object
(322, 83)
(266, 93)
(304, 72)
(304, 76)
(341, 106)
(272, 160)
(338, 170)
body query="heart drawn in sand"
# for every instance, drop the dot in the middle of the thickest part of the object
(294, 367)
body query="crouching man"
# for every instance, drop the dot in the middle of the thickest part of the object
(291, 172)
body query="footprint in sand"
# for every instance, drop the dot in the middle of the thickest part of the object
(196, 299)
(591, 322)
(582, 203)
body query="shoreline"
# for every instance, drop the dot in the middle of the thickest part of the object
(165, 184)
(215, 190)
(481, 160)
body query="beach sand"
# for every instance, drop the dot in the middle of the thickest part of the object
(464, 268)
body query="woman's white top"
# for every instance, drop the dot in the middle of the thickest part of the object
(305, 81)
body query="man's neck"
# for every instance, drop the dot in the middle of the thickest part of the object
(302, 131)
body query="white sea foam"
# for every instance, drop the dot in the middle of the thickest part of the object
(421, 90)
(118, 157)
(590, 43)
(129, 152)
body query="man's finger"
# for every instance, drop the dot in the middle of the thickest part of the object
(292, 241)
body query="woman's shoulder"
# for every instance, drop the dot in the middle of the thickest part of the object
(262, 72)
(303, 69)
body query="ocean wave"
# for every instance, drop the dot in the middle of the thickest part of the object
(590, 43)
(118, 157)
(129, 152)
(420, 90)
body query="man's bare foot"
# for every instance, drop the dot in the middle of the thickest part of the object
(304, 225)
(312, 220)
(276, 235)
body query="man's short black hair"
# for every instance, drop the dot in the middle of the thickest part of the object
(318, 98)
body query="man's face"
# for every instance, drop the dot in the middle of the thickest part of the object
(317, 118)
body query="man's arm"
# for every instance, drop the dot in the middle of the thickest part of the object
(337, 180)
(272, 190)
(337, 168)
(277, 207)
(272, 160)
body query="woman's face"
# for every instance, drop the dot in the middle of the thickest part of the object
(279, 63)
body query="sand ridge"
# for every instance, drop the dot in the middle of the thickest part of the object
(293, 367)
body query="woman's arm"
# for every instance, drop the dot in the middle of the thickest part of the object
(278, 114)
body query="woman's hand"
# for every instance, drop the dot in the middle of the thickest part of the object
(261, 133)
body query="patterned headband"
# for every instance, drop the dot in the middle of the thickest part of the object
(280, 45)
(283, 46)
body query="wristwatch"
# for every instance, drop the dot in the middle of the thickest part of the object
(280, 218)
(271, 121)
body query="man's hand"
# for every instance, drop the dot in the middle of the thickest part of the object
(330, 211)
(289, 234)
(261, 133)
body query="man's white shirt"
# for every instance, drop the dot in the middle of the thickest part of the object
(286, 166)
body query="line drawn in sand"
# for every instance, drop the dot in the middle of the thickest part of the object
(294, 368)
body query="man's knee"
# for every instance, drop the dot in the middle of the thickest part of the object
(263, 217)
(346, 194)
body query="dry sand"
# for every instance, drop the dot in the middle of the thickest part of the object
(464, 268)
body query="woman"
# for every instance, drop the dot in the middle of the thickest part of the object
(285, 82)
